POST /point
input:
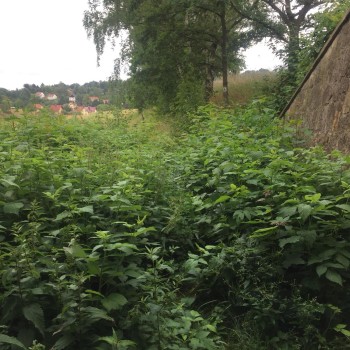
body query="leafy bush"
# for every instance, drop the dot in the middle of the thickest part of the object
(270, 220)
(229, 236)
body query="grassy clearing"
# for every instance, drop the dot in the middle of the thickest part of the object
(243, 87)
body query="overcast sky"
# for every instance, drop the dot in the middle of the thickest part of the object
(44, 41)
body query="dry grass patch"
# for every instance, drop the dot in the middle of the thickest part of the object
(243, 87)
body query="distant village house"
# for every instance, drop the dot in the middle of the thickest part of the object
(51, 97)
(56, 109)
(40, 94)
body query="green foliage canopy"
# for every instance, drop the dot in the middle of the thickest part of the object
(171, 44)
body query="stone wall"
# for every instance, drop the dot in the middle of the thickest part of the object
(323, 100)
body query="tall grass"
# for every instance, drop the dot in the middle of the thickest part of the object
(243, 87)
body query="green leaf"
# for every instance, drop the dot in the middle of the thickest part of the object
(313, 198)
(284, 241)
(35, 314)
(11, 340)
(8, 182)
(263, 232)
(343, 260)
(345, 332)
(13, 208)
(321, 270)
(304, 210)
(124, 247)
(334, 276)
(222, 199)
(288, 211)
(309, 236)
(293, 260)
(114, 301)
(211, 328)
(143, 230)
(126, 343)
(316, 259)
(135, 273)
(345, 207)
(345, 253)
(339, 326)
(75, 250)
(87, 209)
(110, 340)
(63, 342)
(93, 267)
(90, 291)
(341, 329)
(96, 314)
(63, 215)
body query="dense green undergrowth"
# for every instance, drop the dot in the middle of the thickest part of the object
(228, 236)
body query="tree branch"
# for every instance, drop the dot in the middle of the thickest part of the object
(257, 20)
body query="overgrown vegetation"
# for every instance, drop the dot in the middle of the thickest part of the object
(124, 237)
(215, 230)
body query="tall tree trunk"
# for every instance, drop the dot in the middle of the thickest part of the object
(209, 84)
(224, 59)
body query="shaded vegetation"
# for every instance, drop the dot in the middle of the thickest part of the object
(229, 235)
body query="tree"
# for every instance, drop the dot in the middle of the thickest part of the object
(323, 25)
(230, 36)
(5, 104)
(119, 92)
(32, 88)
(170, 42)
(283, 21)
(25, 95)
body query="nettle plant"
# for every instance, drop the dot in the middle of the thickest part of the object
(82, 208)
(271, 221)
(229, 235)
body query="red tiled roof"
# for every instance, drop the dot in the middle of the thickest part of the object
(56, 108)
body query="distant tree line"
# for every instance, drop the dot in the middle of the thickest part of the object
(113, 91)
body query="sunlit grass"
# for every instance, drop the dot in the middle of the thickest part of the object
(243, 87)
